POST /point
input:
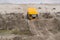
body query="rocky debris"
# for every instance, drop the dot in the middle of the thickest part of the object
(12, 20)
(47, 15)
(45, 28)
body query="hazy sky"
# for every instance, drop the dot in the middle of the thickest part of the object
(29, 1)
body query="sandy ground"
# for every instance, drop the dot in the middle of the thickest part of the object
(42, 28)
(22, 8)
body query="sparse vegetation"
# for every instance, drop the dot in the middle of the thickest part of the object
(18, 32)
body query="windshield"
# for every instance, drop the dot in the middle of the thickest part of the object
(34, 15)
(29, 1)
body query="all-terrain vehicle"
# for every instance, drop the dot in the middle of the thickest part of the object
(32, 13)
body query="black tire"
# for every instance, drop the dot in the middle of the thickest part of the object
(28, 17)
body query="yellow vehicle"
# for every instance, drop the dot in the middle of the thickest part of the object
(32, 13)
